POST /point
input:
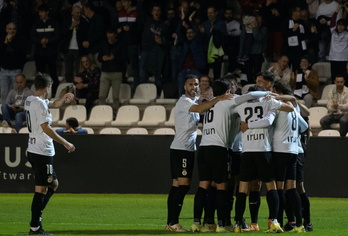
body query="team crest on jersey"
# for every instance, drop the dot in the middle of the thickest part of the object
(184, 172)
(49, 179)
(45, 112)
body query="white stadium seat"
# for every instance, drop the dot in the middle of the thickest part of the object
(77, 111)
(127, 115)
(101, 115)
(137, 131)
(154, 115)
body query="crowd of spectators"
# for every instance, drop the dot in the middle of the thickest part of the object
(167, 39)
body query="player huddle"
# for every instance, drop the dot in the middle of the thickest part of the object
(246, 140)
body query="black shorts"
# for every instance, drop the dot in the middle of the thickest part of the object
(212, 164)
(181, 163)
(300, 168)
(43, 169)
(285, 165)
(235, 158)
(257, 165)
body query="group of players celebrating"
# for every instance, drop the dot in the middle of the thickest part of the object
(246, 140)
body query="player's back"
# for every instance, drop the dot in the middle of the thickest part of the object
(286, 132)
(217, 123)
(258, 139)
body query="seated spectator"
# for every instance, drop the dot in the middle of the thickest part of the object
(71, 127)
(87, 81)
(281, 69)
(338, 107)
(305, 83)
(14, 106)
(205, 90)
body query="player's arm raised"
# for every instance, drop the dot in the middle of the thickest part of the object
(207, 105)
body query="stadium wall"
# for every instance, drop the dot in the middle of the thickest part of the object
(140, 164)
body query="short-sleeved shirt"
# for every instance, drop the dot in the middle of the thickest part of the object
(257, 140)
(286, 132)
(37, 113)
(186, 125)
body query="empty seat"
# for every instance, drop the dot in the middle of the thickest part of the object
(77, 111)
(316, 113)
(124, 96)
(324, 71)
(144, 94)
(89, 130)
(325, 94)
(164, 131)
(329, 132)
(154, 115)
(62, 89)
(23, 130)
(101, 115)
(29, 70)
(137, 131)
(165, 101)
(128, 115)
(110, 130)
(55, 112)
(170, 121)
(246, 87)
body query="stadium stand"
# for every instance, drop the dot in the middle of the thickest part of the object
(127, 115)
(77, 111)
(101, 116)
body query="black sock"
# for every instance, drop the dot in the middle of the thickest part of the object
(170, 198)
(209, 208)
(178, 202)
(48, 196)
(199, 201)
(229, 206)
(306, 214)
(240, 207)
(254, 205)
(221, 206)
(273, 203)
(282, 202)
(36, 209)
(288, 209)
(295, 202)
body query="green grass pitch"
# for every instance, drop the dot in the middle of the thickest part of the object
(139, 214)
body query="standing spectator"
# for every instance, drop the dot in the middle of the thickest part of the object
(205, 90)
(258, 47)
(274, 14)
(337, 105)
(192, 57)
(74, 32)
(231, 43)
(325, 11)
(294, 38)
(14, 106)
(12, 59)
(112, 56)
(213, 30)
(281, 69)
(130, 32)
(45, 37)
(153, 58)
(305, 83)
(338, 55)
(311, 35)
(87, 81)
(96, 31)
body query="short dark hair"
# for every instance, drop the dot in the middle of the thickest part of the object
(220, 86)
(256, 88)
(72, 121)
(268, 76)
(190, 76)
(42, 81)
(281, 87)
(43, 7)
(90, 6)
